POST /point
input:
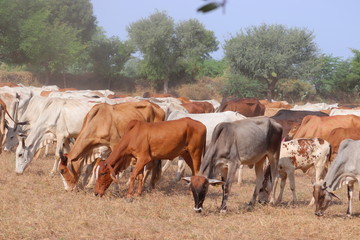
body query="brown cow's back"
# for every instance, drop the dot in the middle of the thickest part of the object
(337, 135)
(314, 126)
(249, 107)
(199, 107)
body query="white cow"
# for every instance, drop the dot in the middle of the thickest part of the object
(210, 120)
(315, 106)
(302, 153)
(344, 112)
(62, 119)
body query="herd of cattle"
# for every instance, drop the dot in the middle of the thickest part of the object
(98, 135)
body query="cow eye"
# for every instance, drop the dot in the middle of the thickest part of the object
(62, 171)
(20, 155)
(102, 174)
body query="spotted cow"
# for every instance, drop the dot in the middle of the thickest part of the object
(301, 154)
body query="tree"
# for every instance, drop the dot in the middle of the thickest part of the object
(68, 20)
(109, 56)
(270, 52)
(354, 76)
(166, 48)
(49, 48)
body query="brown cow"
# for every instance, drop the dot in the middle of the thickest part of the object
(152, 141)
(321, 127)
(8, 84)
(249, 107)
(199, 107)
(338, 135)
(104, 125)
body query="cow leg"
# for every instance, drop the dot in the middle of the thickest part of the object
(155, 173)
(259, 180)
(292, 185)
(239, 171)
(166, 165)
(189, 161)
(283, 176)
(181, 169)
(92, 180)
(350, 188)
(273, 161)
(138, 170)
(231, 172)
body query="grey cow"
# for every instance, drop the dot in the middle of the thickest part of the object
(246, 142)
(344, 170)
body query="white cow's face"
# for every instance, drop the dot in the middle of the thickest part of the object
(11, 140)
(23, 157)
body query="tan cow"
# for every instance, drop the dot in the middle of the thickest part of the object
(104, 125)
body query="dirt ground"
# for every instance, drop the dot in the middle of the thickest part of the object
(36, 206)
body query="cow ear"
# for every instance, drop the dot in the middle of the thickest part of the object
(215, 182)
(186, 179)
(333, 195)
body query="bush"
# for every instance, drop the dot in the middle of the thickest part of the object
(295, 90)
(204, 88)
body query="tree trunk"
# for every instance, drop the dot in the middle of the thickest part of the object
(47, 78)
(109, 83)
(64, 80)
(271, 89)
(166, 85)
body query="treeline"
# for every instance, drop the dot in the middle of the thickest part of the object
(61, 39)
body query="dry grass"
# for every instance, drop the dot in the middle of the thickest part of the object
(35, 206)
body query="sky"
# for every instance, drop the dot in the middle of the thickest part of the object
(335, 23)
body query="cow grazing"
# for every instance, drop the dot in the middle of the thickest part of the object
(199, 107)
(246, 142)
(314, 126)
(152, 141)
(301, 154)
(104, 125)
(249, 107)
(61, 119)
(344, 170)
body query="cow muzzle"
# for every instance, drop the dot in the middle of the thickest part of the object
(319, 214)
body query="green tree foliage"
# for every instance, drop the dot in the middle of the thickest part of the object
(109, 56)
(167, 48)
(49, 47)
(354, 76)
(269, 53)
(47, 35)
(240, 86)
(213, 68)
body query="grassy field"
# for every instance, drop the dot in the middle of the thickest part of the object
(36, 206)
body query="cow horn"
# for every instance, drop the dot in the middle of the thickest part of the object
(186, 179)
(333, 194)
(112, 172)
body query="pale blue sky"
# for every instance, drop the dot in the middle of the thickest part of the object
(335, 23)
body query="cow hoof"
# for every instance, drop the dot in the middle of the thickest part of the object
(129, 199)
(223, 211)
(177, 177)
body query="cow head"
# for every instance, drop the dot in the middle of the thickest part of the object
(265, 190)
(199, 186)
(67, 175)
(104, 177)
(293, 129)
(322, 198)
(13, 136)
(23, 156)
